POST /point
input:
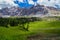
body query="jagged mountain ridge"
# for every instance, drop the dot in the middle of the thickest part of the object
(34, 10)
(22, 11)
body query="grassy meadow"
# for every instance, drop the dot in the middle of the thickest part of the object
(38, 27)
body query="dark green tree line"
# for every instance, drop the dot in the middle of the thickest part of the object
(17, 22)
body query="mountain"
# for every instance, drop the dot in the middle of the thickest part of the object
(37, 11)
(53, 8)
(17, 11)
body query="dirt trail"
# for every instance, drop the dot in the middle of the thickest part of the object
(44, 37)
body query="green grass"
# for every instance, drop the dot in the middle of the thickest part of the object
(14, 33)
(11, 34)
(45, 25)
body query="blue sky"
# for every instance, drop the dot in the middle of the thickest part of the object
(54, 3)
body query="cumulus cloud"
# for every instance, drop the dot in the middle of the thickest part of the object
(7, 3)
(49, 2)
(42, 2)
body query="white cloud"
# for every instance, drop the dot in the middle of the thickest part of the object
(49, 3)
(20, 0)
(6, 3)
(31, 2)
(44, 2)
